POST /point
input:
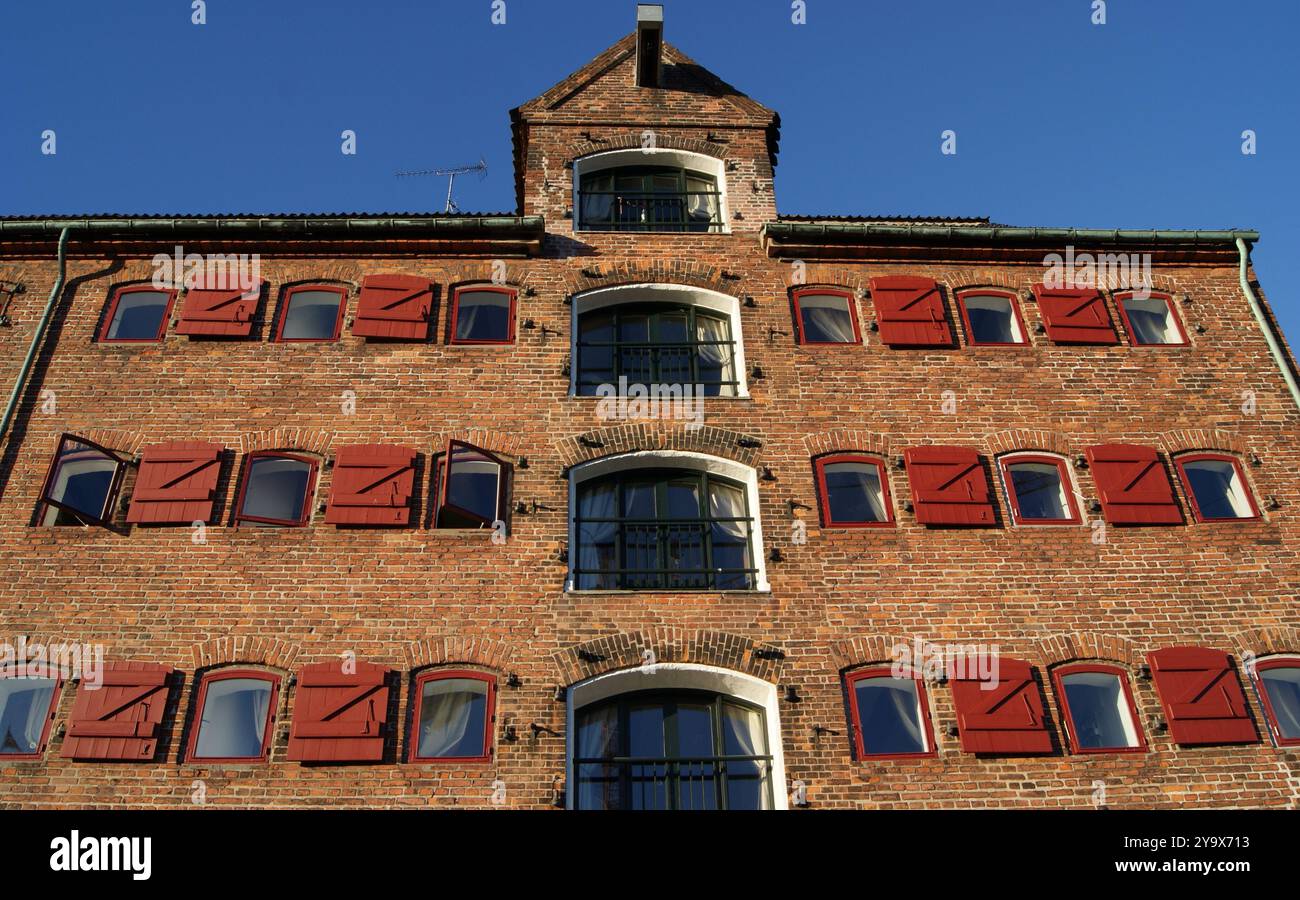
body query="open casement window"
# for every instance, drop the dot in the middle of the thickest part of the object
(339, 716)
(949, 486)
(233, 716)
(1277, 681)
(394, 307)
(483, 314)
(1098, 708)
(1216, 486)
(1039, 489)
(854, 491)
(277, 489)
(453, 714)
(890, 716)
(910, 311)
(137, 314)
(219, 311)
(1002, 715)
(82, 484)
(1150, 320)
(311, 312)
(1133, 486)
(648, 198)
(1202, 698)
(120, 719)
(656, 344)
(176, 484)
(826, 316)
(373, 485)
(1075, 315)
(683, 749)
(29, 699)
(471, 492)
(992, 318)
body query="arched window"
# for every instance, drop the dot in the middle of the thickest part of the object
(889, 714)
(1039, 489)
(28, 701)
(1099, 712)
(649, 198)
(137, 313)
(451, 716)
(992, 317)
(277, 489)
(472, 492)
(659, 344)
(854, 491)
(1277, 680)
(1216, 486)
(312, 312)
(1150, 319)
(233, 716)
(81, 484)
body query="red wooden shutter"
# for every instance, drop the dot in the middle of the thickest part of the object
(1133, 486)
(119, 719)
(226, 312)
(909, 311)
(177, 483)
(1075, 315)
(339, 717)
(394, 306)
(373, 484)
(1203, 700)
(948, 486)
(1007, 719)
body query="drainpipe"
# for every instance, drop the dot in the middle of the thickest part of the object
(1279, 355)
(40, 333)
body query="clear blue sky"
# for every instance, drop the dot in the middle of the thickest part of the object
(1134, 124)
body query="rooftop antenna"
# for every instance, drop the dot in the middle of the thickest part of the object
(480, 167)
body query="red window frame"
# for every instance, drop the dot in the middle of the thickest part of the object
(823, 495)
(1067, 717)
(833, 292)
(510, 292)
(442, 468)
(855, 721)
(1173, 313)
(1011, 296)
(1191, 495)
(272, 707)
(115, 299)
(489, 718)
(113, 490)
(287, 301)
(1273, 662)
(37, 671)
(1004, 467)
(308, 496)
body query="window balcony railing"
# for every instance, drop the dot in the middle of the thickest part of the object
(706, 782)
(659, 554)
(706, 367)
(650, 211)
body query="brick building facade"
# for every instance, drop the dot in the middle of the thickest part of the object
(787, 632)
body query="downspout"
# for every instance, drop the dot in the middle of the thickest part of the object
(1279, 355)
(40, 333)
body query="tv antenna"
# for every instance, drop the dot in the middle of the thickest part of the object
(450, 174)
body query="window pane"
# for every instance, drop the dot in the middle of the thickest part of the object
(474, 487)
(1099, 711)
(82, 479)
(138, 316)
(482, 316)
(453, 718)
(715, 355)
(598, 784)
(277, 488)
(730, 533)
(1218, 489)
(24, 708)
(889, 714)
(233, 723)
(743, 735)
(1151, 320)
(992, 320)
(598, 540)
(826, 319)
(1283, 688)
(854, 492)
(1039, 491)
(311, 316)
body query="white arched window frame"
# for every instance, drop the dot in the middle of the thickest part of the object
(681, 459)
(655, 156)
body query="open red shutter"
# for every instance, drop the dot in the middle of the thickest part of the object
(373, 484)
(120, 718)
(177, 483)
(910, 311)
(1007, 718)
(1075, 315)
(1203, 700)
(1133, 486)
(225, 312)
(338, 716)
(394, 306)
(948, 486)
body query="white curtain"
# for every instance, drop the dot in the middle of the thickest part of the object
(597, 550)
(233, 724)
(447, 705)
(596, 208)
(826, 319)
(24, 705)
(716, 357)
(906, 705)
(730, 539)
(597, 739)
(1283, 687)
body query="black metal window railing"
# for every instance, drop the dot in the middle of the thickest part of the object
(649, 198)
(711, 782)
(656, 345)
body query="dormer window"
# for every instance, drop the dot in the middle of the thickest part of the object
(649, 189)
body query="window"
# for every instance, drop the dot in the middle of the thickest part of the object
(1150, 319)
(137, 314)
(27, 707)
(890, 717)
(483, 314)
(232, 721)
(1040, 490)
(854, 491)
(471, 493)
(672, 750)
(826, 316)
(453, 714)
(277, 489)
(665, 529)
(649, 198)
(1277, 679)
(312, 313)
(992, 318)
(82, 484)
(1100, 716)
(1217, 487)
(656, 344)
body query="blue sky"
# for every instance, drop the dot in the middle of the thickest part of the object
(1133, 124)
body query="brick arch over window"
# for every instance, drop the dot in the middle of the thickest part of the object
(500, 443)
(246, 649)
(967, 279)
(632, 140)
(1016, 439)
(846, 440)
(128, 442)
(815, 276)
(311, 440)
(1173, 442)
(1074, 645)
(1266, 640)
(627, 649)
(442, 650)
(651, 436)
(488, 272)
(670, 271)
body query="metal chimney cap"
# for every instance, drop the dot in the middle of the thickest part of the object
(649, 12)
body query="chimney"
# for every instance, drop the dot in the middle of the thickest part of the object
(649, 43)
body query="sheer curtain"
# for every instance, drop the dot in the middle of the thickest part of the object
(24, 704)
(233, 724)
(597, 550)
(730, 539)
(717, 358)
(826, 319)
(598, 785)
(742, 735)
(447, 706)
(909, 715)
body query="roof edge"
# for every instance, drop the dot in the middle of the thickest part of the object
(486, 227)
(857, 232)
